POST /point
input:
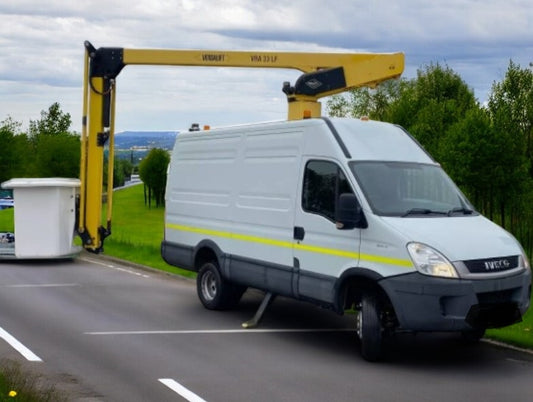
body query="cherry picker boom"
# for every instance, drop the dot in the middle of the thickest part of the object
(324, 74)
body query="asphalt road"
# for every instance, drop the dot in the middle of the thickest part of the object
(108, 332)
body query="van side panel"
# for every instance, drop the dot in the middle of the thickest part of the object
(237, 188)
(266, 186)
(263, 209)
(194, 194)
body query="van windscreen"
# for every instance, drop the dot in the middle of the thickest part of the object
(409, 189)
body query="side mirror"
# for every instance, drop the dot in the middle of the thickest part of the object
(349, 214)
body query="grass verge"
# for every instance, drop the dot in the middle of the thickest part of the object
(7, 220)
(137, 231)
(20, 384)
(145, 255)
(520, 334)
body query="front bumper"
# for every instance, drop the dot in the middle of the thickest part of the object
(425, 303)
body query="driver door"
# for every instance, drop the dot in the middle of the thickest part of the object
(321, 251)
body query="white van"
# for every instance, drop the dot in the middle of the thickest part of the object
(343, 213)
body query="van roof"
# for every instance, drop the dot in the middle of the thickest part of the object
(363, 139)
(374, 140)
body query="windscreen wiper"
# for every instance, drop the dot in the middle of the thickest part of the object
(464, 210)
(423, 211)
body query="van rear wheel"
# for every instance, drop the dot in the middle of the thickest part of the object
(369, 328)
(215, 292)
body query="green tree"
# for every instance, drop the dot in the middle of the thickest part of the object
(126, 166)
(511, 106)
(340, 106)
(53, 121)
(489, 165)
(153, 173)
(13, 150)
(56, 151)
(430, 104)
(122, 169)
(514, 168)
(371, 102)
(56, 156)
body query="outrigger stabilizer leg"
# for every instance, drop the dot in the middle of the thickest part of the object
(269, 298)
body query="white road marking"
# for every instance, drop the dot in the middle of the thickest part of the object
(108, 265)
(181, 390)
(19, 347)
(220, 331)
(129, 271)
(517, 361)
(507, 346)
(41, 285)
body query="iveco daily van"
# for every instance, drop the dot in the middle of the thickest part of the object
(344, 213)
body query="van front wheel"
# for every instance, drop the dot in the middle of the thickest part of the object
(214, 292)
(369, 328)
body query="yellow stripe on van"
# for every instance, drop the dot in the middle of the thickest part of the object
(386, 260)
(287, 244)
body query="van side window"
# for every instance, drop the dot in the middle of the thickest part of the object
(323, 183)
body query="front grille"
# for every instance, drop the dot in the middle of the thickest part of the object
(503, 296)
(489, 265)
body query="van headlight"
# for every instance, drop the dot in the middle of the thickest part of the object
(429, 261)
(524, 261)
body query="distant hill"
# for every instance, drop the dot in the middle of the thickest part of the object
(128, 140)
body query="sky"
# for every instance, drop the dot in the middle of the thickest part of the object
(42, 52)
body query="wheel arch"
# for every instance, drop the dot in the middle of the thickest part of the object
(205, 251)
(352, 284)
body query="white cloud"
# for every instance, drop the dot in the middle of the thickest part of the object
(41, 58)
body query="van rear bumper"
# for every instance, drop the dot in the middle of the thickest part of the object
(424, 303)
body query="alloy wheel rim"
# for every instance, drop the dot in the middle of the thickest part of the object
(209, 286)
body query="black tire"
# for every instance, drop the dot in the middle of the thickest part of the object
(473, 336)
(215, 292)
(369, 328)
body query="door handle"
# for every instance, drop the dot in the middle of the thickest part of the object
(299, 233)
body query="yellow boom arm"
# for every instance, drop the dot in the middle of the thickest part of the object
(324, 74)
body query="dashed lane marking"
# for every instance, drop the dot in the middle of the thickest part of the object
(41, 285)
(221, 331)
